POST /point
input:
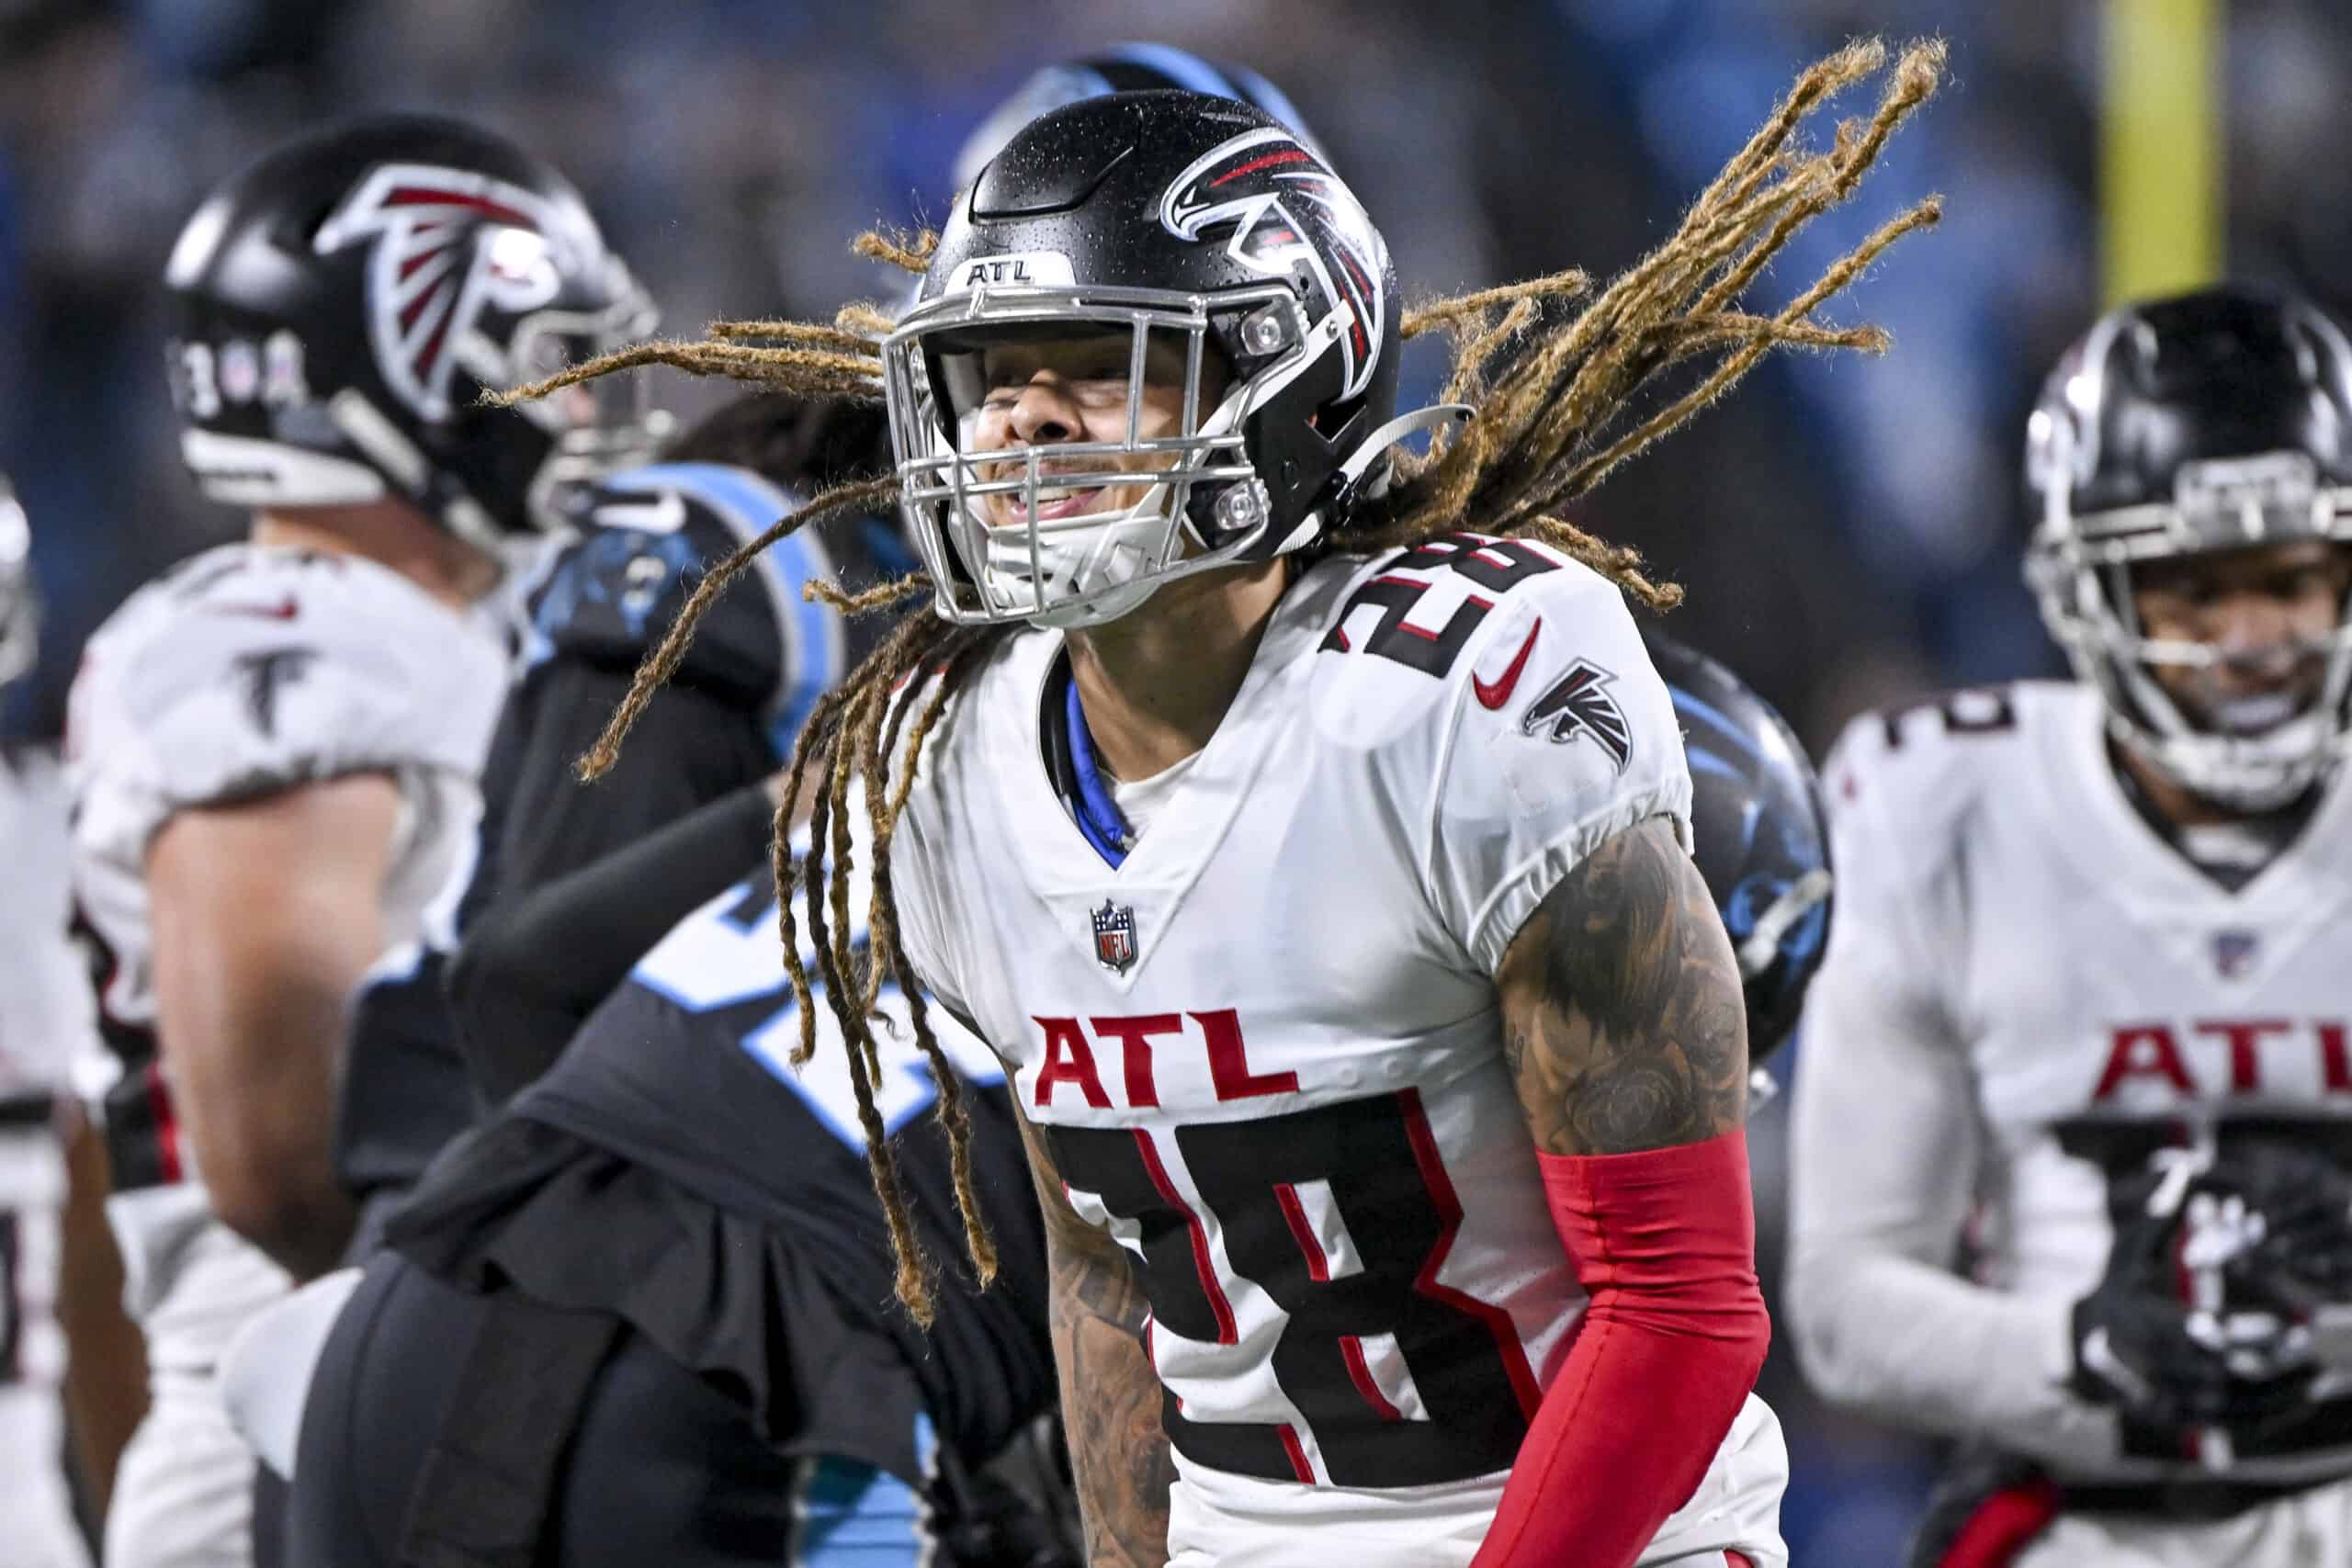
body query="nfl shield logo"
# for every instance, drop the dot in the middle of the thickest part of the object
(1114, 936)
(2234, 952)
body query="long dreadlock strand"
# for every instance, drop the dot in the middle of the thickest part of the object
(840, 339)
(1916, 78)
(823, 723)
(912, 1285)
(663, 662)
(866, 320)
(881, 596)
(890, 954)
(812, 898)
(910, 252)
(1822, 80)
(854, 723)
(1452, 312)
(1550, 398)
(879, 751)
(811, 372)
(1591, 472)
(1620, 563)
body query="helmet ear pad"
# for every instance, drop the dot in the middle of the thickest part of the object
(1298, 456)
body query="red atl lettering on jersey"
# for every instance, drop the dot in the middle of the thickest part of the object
(1134, 1035)
(2245, 1064)
(2154, 1051)
(1069, 1058)
(2144, 1051)
(1229, 1060)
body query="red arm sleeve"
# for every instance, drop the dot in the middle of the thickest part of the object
(1663, 1242)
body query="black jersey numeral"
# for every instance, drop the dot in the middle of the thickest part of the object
(1471, 1389)
(1975, 710)
(1496, 565)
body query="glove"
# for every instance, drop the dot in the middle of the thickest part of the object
(2166, 1361)
(2297, 1259)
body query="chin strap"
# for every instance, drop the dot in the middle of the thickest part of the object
(1377, 444)
(1352, 486)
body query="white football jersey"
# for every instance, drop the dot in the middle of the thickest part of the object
(243, 671)
(2028, 994)
(44, 1022)
(1265, 1051)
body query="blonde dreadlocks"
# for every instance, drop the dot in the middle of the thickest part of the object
(1555, 395)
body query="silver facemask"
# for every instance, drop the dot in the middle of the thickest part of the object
(1092, 567)
(2079, 568)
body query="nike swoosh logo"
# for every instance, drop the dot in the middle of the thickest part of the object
(284, 611)
(1494, 693)
(665, 513)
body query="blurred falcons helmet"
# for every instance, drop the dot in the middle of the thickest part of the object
(1195, 221)
(341, 305)
(2195, 425)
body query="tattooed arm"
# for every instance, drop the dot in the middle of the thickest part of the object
(1624, 1024)
(1111, 1397)
(1627, 1037)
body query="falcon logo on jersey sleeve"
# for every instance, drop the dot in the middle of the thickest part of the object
(1578, 704)
(266, 674)
(429, 279)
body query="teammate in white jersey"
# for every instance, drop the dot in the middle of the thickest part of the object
(275, 745)
(2086, 1009)
(1316, 868)
(44, 1018)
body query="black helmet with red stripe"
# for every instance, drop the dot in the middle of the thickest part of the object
(341, 305)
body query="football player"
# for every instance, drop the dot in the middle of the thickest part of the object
(44, 1018)
(275, 745)
(538, 958)
(2085, 1013)
(1314, 862)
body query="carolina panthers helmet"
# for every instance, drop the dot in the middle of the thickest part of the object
(341, 305)
(2202, 423)
(19, 605)
(1760, 837)
(1147, 214)
(1122, 68)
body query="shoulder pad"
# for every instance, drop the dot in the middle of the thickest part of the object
(1509, 710)
(1926, 763)
(251, 669)
(614, 592)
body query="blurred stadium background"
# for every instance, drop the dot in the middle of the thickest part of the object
(1848, 532)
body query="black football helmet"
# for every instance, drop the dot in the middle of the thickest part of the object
(341, 305)
(1760, 837)
(19, 605)
(1122, 68)
(1146, 214)
(2206, 423)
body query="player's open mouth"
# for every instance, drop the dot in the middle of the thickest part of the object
(1056, 501)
